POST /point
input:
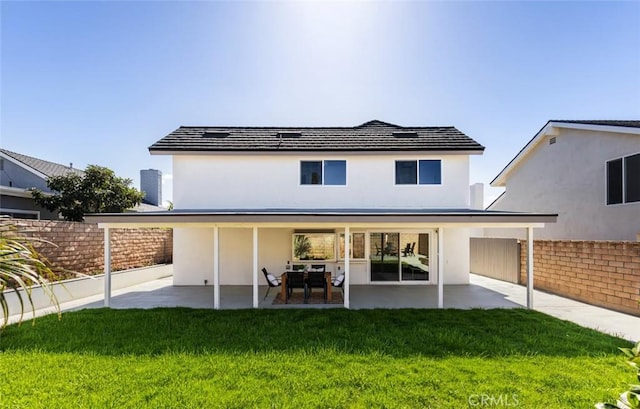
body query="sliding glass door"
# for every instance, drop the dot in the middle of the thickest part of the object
(384, 256)
(399, 257)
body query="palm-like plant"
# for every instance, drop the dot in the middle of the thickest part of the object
(21, 268)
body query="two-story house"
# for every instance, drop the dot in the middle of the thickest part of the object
(586, 171)
(18, 174)
(386, 204)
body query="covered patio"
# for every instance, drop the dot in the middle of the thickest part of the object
(431, 294)
(162, 293)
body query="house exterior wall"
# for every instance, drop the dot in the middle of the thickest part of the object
(273, 181)
(16, 176)
(569, 178)
(193, 256)
(13, 203)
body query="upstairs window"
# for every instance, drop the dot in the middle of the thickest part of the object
(623, 180)
(328, 172)
(419, 172)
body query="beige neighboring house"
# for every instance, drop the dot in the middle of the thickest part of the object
(586, 171)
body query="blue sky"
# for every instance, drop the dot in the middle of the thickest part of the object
(98, 82)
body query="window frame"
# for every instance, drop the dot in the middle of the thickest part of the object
(340, 241)
(322, 172)
(417, 161)
(624, 181)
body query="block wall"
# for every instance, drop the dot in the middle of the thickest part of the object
(79, 247)
(603, 273)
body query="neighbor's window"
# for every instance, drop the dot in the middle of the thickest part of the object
(328, 172)
(421, 172)
(314, 246)
(623, 180)
(356, 249)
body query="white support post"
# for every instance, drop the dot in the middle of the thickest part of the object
(440, 268)
(216, 268)
(107, 267)
(347, 274)
(255, 268)
(530, 268)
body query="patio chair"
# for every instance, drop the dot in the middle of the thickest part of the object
(407, 250)
(272, 281)
(378, 250)
(315, 279)
(413, 249)
(338, 282)
(295, 279)
(318, 267)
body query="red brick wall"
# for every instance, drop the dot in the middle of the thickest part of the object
(603, 273)
(79, 246)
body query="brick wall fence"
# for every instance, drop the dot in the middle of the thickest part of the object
(80, 246)
(602, 273)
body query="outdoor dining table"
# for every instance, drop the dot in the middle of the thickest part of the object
(283, 290)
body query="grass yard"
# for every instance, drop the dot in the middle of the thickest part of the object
(174, 358)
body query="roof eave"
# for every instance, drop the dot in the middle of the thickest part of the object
(185, 151)
(551, 128)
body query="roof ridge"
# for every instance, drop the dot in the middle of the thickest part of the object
(21, 158)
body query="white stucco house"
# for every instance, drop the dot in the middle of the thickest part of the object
(586, 171)
(252, 197)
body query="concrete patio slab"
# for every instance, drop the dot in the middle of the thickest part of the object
(482, 292)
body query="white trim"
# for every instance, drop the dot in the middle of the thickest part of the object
(24, 165)
(256, 300)
(17, 192)
(347, 272)
(440, 270)
(529, 268)
(216, 268)
(20, 211)
(313, 153)
(598, 128)
(107, 267)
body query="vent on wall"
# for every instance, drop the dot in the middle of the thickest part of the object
(215, 134)
(289, 134)
(405, 134)
(552, 140)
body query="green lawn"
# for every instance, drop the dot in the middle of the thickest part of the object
(170, 358)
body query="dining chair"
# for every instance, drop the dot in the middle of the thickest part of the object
(338, 282)
(295, 279)
(316, 279)
(272, 281)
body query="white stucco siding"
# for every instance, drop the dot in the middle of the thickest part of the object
(456, 256)
(269, 181)
(569, 178)
(192, 256)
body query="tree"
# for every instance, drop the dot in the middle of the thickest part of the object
(98, 191)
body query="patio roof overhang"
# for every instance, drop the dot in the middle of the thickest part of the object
(409, 218)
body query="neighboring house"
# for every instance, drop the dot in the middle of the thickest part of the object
(19, 173)
(253, 197)
(586, 171)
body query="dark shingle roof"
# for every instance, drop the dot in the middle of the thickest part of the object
(45, 167)
(628, 124)
(370, 136)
